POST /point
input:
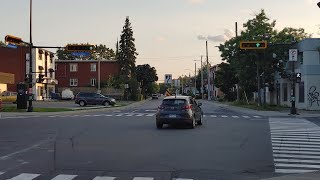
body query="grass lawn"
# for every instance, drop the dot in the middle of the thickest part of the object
(35, 109)
(260, 108)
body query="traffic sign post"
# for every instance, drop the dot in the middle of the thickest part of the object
(253, 45)
(168, 78)
(293, 57)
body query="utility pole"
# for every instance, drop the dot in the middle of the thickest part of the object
(201, 79)
(236, 30)
(195, 78)
(293, 109)
(30, 107)
(208, 72)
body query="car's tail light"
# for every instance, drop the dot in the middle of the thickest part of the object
(161, 107)
(186, 107)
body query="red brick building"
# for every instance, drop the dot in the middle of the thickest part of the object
(83, 73)
(13, 61)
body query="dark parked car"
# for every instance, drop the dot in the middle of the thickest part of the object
(179, 110)
(84, 99)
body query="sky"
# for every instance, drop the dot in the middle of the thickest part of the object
(170, 34)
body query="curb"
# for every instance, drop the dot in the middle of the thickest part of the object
(81, 110)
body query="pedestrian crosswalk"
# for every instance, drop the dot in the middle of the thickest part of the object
(296, 145)
(30, 176)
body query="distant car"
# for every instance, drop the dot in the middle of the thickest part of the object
(8, 96)
(155, 96)
(179, 110)
(84, 99)
(67, 94)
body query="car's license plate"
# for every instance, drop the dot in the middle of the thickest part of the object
(172, 116)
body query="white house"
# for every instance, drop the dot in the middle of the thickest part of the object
(43, 64)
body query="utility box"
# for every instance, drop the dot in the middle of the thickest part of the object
(22, 96)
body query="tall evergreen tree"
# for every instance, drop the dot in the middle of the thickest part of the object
(127, 52)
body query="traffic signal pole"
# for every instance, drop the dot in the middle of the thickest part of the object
(30, 91)
(293, 109)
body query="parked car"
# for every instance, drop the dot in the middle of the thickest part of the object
(155, 96)
(84, 99)
(8, 96)
(179, 110)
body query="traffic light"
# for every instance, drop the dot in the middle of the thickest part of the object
(40, 78)
(80, 48)
(13, 40)
(253, 44)
(298, 77)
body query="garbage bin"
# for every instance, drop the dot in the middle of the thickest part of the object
(22, 96)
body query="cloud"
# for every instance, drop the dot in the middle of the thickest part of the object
(218, 38)
(196, 1)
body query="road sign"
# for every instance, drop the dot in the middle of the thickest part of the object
(298, 77)
(168, 78)
(12, 46)
(168, 93)
(293, 54)
(80, 53)
(253, 44)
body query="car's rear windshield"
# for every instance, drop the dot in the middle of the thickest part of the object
(174, 102)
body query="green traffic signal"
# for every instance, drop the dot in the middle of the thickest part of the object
(253, 44)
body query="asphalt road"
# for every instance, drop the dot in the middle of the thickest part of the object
(125, 144)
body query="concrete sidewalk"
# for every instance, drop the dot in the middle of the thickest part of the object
(302, 113)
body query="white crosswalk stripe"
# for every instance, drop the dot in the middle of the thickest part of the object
(28, 176)
(104, 178)
(64, 177)
(213, 115)
(295, 144)
(25, 176)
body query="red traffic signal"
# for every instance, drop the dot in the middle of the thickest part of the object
(13, 40)
(253, 44)
(80, 48)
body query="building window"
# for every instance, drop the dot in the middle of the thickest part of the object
(93, 82)
(40, 56)
(93, 67)
(301, 92)
(51, 60)
(285, 92)
(73, 82)
(73, 67)
(56, 67)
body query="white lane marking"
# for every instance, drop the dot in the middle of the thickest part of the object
(52, 116)
(204, 115)
(235, 116)
(295, 142)
(76, 115)
(296, 156)
(143, 178)
(298, 161)
(295, 145)
(24, 150)
(139, 115)
(213, 116)
(1, 173)
(64, 177)
(295, 139)
(129, 115)
(150, 115)
(104, 178)
(118, 115)
(224, 116)
(297, 165)
(296, 136)
(183, 179)
(293, 171)
(298, 130)
(87, 115)
(294, 148)
(296, 152)
(246, 116)
(257, 116)
(108, 115)
(97, 115)
(25, 176)
(153, 110)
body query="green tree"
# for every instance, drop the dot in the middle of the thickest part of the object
(127, 51)
(247, 62)
(2, 44)
(146, 75)
(226, 79)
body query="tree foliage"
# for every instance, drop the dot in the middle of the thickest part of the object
(146, 75)
(247, 63)
(226, 79)
(2, 44)
(127, 51)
